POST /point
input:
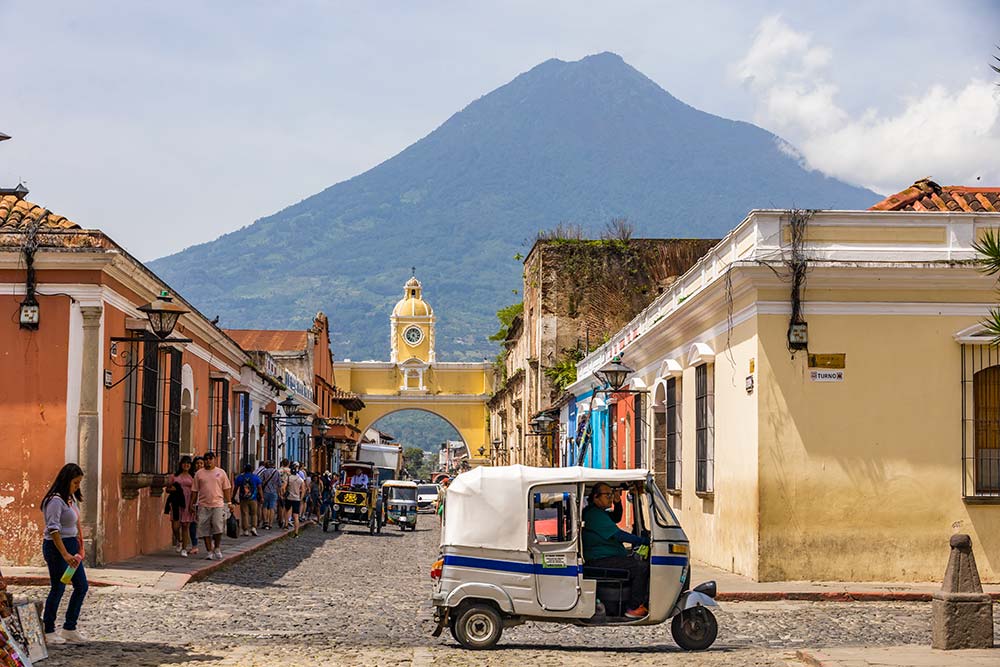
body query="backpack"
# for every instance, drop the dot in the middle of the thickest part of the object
(246, 487)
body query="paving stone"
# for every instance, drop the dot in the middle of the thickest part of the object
(356, 599)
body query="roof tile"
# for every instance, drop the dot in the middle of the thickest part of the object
(269, 340)
(17, 214)
(926, 195)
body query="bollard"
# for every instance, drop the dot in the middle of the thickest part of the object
(962, 613)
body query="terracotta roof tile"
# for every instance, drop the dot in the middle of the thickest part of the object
(16, 214)
(269, 340)
(926, 195)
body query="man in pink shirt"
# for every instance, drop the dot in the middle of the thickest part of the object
(212, 492)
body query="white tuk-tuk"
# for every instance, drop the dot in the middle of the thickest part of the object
(511, 551)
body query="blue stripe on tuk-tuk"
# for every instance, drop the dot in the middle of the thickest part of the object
(669, 560)
(511, 566)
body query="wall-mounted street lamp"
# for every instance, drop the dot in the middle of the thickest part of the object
(163, 315)
(614, 373)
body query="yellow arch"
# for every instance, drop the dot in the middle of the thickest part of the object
(456, 392)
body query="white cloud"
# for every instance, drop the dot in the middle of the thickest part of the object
(949, 133)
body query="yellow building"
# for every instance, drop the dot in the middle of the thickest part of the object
(414, 379)
(839, 429)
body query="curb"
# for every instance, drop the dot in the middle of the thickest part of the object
(830, 596)
(180, 580)
(44, 581)
(229, 560)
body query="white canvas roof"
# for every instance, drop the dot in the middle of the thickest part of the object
(488, 506)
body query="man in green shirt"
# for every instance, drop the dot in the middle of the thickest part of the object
(602, 546)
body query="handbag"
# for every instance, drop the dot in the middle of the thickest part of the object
(232, 527)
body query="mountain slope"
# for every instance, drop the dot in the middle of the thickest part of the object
(566, 141)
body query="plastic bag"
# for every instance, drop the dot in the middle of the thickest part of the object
(232, 527)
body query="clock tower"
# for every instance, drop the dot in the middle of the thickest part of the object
(412, 336)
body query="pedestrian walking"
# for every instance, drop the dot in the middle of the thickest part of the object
(270, 481)
(294, 488)
(197, 463)
(63, 551)
(248, 493)
(212, 491)
(283, 473)
(178, 505)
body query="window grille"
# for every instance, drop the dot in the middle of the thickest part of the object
(149, 411)
(980, 421)
(173, 393)
(637, 431)
(218, 420)
(704, 430)
(132, 355)
(271, 444)
(243, 410)
(672, 435)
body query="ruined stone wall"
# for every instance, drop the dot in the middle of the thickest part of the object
(580, 292)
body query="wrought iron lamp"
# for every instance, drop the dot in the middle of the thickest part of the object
(614, 373)
(163, 314)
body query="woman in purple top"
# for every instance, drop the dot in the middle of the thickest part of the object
(63, 548)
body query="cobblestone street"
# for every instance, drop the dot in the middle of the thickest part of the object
(353, 599)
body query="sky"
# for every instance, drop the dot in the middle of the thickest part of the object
(169, 124)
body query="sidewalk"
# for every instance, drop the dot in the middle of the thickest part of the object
(899, 656)
(164, 570)
(737, 588)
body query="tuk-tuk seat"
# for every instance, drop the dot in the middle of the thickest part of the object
(609, 573)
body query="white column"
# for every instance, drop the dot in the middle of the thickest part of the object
(88, 421)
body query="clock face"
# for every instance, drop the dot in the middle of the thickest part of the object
(413, 335)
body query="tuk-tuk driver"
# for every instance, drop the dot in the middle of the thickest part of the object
(602, 547)
(360, 479)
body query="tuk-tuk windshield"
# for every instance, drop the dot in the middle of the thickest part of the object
(403, 493)
(661, 509)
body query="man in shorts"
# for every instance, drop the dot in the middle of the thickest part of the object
(270, 480)
(212, 492)
(294, 492)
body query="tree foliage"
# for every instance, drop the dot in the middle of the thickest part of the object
(506, 316)
(988, 248)
(563, 373)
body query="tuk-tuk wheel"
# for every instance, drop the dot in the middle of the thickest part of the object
(694, 629)
(477, 626)
(402, 527)
(336, 527)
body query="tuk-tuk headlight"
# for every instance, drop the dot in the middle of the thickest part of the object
(336, 507)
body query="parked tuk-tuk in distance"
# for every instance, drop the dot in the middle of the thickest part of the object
(511, 551)
(399, 504)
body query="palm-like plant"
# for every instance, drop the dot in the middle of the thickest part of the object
(988, 248)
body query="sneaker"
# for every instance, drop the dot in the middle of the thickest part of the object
(178, 548)
(54, 638)
(218, 554)
(184, 553)
(638, 612)
(267, 526)
(73, 636)
(253, 531)
(245, 533)
(210, 555)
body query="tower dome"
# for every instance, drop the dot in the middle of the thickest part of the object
(412, 304)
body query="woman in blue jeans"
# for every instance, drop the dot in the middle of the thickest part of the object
(63, 548)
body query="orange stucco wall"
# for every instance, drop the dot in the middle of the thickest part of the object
(33, 367)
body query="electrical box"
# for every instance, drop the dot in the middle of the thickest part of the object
(798, 336)
(29, 315)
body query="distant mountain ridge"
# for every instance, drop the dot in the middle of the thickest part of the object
(576, 142)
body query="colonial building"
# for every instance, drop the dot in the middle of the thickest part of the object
(413, 378)
(576, 294)
(819, 398)
(87, 379)
(329, 430)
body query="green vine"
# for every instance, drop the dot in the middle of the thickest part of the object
(563, 373)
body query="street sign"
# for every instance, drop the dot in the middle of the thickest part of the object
(826, 376)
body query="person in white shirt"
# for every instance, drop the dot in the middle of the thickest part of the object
(360, 480)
